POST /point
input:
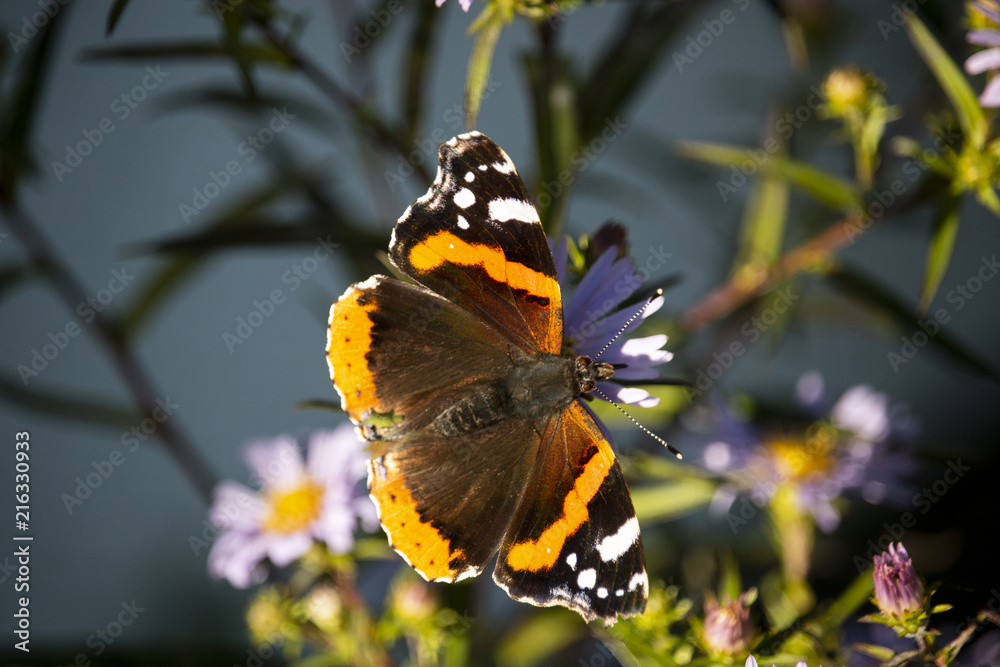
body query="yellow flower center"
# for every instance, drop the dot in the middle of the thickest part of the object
(796, 459)
(294, 509)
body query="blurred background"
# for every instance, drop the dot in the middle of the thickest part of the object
(184, 216)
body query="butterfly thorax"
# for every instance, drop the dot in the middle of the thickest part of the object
(535, 388)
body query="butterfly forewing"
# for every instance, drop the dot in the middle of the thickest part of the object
(476, 240)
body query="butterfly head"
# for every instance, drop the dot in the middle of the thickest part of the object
(587, 372)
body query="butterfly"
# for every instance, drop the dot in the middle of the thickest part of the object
(480, 442)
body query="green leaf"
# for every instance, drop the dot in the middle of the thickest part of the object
(952, 80)
(480, 63)
(19, 112)
(939, 251)
(534, 643)
(763, 226)
(825, 188)
(114, 15)
(189, 50)
(667, 501)
(845, 605)
(66, 406)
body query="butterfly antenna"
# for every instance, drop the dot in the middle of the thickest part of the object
(660, 440)
(625, 326)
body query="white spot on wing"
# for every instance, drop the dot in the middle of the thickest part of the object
(483, 167)
(505, 167)
(464, 198)
(469, 177)
(602, 592)
(502, 210)
(571, 561)
(587, 578)
(638, 579)
(613, 546)
(462, 222)
(620, 592)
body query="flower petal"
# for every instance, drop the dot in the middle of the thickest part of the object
(983, 61)
(991, 94)
(984, 37)
(276, 461)
(283, 549)
(236, 557)
(336, 457)
(628, 395)
(235, 507)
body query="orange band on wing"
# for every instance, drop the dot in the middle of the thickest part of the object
(348, 341)
(543, 552)
(443, 247)
(419, 543)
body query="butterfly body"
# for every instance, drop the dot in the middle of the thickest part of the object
(481, 444)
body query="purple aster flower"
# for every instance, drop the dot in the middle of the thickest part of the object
(846, 451)
(320, 498)
(988, 59)
(899, 594)
(752, 662)
(591, 320)
(727, 630)
(465, 4)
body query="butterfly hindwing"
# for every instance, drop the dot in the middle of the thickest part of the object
(445, 503)
(399, 354)
(476, 240)
(575, 540)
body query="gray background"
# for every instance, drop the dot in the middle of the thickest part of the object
(129, 540)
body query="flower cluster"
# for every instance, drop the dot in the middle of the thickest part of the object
(987, 33)
(320, 498)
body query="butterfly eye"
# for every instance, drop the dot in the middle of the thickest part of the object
(589, 385)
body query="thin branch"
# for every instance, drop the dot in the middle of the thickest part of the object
(738, 290)
(43, 257)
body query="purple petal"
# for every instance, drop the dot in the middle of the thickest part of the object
(628, 395)
(235, 507)
(236, 557)
(751, 661)
(336, 457)
(465, 4)
(584, 307)
(600, 333)
(986, 11)
(983, 61)
(984, 37)
(863, 412)
(283, 549)
(809, 388)
(276, 462)
(438, 2)
(991, 95)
